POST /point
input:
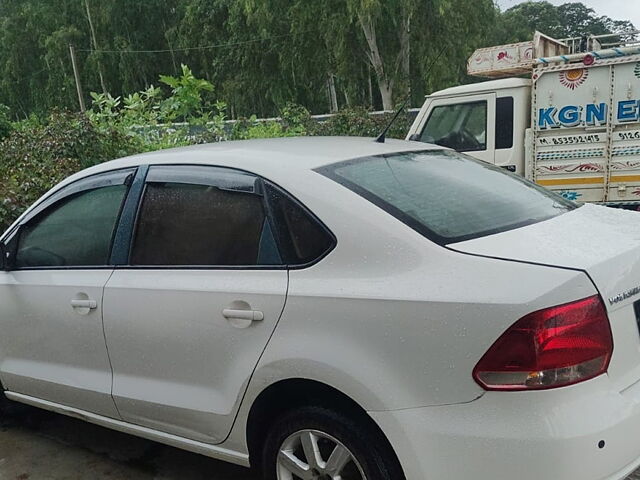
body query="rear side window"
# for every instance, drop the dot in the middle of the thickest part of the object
(192, 224)
(447, 196)
(303, 239)
(76, 231)
(462, 126)
(504, 122)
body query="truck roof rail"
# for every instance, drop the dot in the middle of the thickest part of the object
(590, 56)
(601, 42)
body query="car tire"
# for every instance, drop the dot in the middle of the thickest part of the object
(328, 432)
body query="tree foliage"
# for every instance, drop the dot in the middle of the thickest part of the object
(38, 154)
(261, 54)
(565, 21)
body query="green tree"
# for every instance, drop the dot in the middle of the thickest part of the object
(262, 54)
(564, 21)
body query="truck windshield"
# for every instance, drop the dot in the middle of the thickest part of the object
(462, 126)
(446, 196)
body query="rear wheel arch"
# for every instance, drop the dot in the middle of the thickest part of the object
(288, 395)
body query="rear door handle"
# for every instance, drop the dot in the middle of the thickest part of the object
(90, 304)
(253, 315)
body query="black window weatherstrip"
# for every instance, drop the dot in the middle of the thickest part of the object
(104, 179)
(223, 178)
(280, 228)
(119, 176)
(124, 232)
(270, 219)
(233, 180)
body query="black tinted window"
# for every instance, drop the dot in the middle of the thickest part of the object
(504, 122)
(188, 224)
(447, 196)
(76, 231)
(302, 237)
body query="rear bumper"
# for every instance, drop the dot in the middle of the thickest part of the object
(555, 434)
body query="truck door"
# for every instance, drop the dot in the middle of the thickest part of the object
(466, 124)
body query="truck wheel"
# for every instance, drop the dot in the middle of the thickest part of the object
(316, 443)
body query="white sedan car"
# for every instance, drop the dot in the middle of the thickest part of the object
(332, 308)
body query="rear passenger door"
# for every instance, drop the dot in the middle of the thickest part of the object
(189, 314)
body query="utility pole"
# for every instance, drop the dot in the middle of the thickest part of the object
(95, 47)
(77, 76)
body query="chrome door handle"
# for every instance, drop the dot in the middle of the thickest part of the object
(253, 315)
(90, 304)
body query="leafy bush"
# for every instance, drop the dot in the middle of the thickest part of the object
(360, 122)
(37, 155)
(295, 121)
(5, 122)
(151, 116)
(187, 97)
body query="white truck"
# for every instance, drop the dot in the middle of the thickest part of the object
(567, 118)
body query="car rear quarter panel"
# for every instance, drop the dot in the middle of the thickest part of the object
(393, 320)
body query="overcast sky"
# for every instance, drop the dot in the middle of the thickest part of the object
(616, 9)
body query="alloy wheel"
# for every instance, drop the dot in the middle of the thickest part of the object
(315, 455)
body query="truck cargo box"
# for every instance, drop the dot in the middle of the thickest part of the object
(586, 129)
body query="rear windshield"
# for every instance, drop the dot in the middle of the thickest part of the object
(447, 196)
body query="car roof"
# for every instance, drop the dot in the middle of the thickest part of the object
(305, 153)
(277, 159)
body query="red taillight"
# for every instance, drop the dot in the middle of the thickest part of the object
(550, 348)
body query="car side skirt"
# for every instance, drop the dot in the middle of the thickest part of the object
(212, 451)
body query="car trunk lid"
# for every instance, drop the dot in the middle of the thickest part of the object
(601, 241)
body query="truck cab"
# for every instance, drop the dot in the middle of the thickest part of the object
(486, 120)
(564, 114)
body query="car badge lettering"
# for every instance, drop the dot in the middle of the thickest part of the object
(624, 295)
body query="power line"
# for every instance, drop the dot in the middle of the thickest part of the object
(187, 49)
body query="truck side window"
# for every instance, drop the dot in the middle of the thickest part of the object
(462, 126)
(504, 122)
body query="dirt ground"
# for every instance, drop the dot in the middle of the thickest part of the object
(38, 445)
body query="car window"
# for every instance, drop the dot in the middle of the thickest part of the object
(75, 231)
(504, 122)
(303, 239)
(199, 224)
(447, 196)
(462, 126)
